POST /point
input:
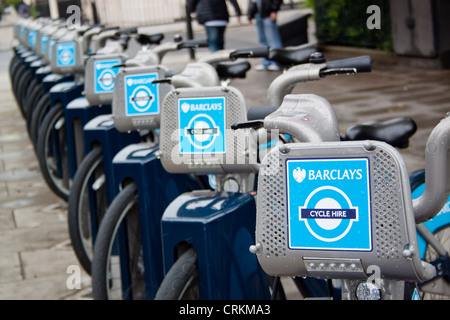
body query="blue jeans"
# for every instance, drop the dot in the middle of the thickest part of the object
(216, 37)
(268, 35)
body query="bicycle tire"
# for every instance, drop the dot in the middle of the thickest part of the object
(38, 115)
(13, 65)
(59, 185)
(181, 282)
(16, 76)
(123, 213)
(442, 234)
(33, 95)
(23, 84)
(78, 209)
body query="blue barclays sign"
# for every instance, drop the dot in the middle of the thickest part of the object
(65, 53)
(202, 125)
(141, 95)
(105, 74)
(329, 204)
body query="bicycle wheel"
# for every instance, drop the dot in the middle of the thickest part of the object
(52, 153)
(13, 65)
(438, 289)
(16, 77)
(439, 226)
(121, 219)
(23, 84)
(33, 95)
(38, 115)
(82, 199)
(181, 282)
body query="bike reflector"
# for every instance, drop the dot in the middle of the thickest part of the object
(196, 135)
(333, 210)
(137, 98)
(100, 76)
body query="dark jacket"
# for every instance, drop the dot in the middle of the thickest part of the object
(264, 9)
(209, 10)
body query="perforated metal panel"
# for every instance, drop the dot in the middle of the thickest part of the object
(136, 83)
(290, 242)
(216, 158)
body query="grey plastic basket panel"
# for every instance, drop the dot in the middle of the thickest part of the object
(136, 100)
(100, 75)
(296, 238)
(200, 141)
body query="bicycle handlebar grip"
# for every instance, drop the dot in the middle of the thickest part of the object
(258, 52)
(127, 31)
(260, 112)
(361, 64)
(104, 29)
(201, 43)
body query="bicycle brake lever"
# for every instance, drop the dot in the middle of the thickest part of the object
(256, 124)
(166, 80)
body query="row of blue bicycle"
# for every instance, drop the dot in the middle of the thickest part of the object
(177, 190)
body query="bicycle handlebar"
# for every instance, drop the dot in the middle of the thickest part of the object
(127, 31)
(260, 112)
(188, 44)
(359, 64)
(258, 52)
(437, 173)
(284, 83)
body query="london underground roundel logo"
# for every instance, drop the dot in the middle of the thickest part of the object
(142, 98)
(106, 79)
(202, 131)
(328, 214)
(66, 54)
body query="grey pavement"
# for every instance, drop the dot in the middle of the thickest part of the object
(35, 249)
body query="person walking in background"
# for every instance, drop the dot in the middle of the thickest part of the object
(213, 14)
(265, 14)
(23, 9)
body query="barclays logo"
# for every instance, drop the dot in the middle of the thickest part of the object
(299, 175)
(185, 107)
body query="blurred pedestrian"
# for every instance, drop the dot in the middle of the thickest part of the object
(213, 14)
(23, 9)
(265, 13)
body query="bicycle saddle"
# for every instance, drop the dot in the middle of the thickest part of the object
(292, 55)
(144, 39)
(395, 132)
(235, 69)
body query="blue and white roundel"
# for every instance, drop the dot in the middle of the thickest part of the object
(44, 39)
(329, 204)
(141, 94)
(32, 34)
(202, 125)
(105, 75)
(65, 54)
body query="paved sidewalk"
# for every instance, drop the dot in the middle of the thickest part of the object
(35, 249)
